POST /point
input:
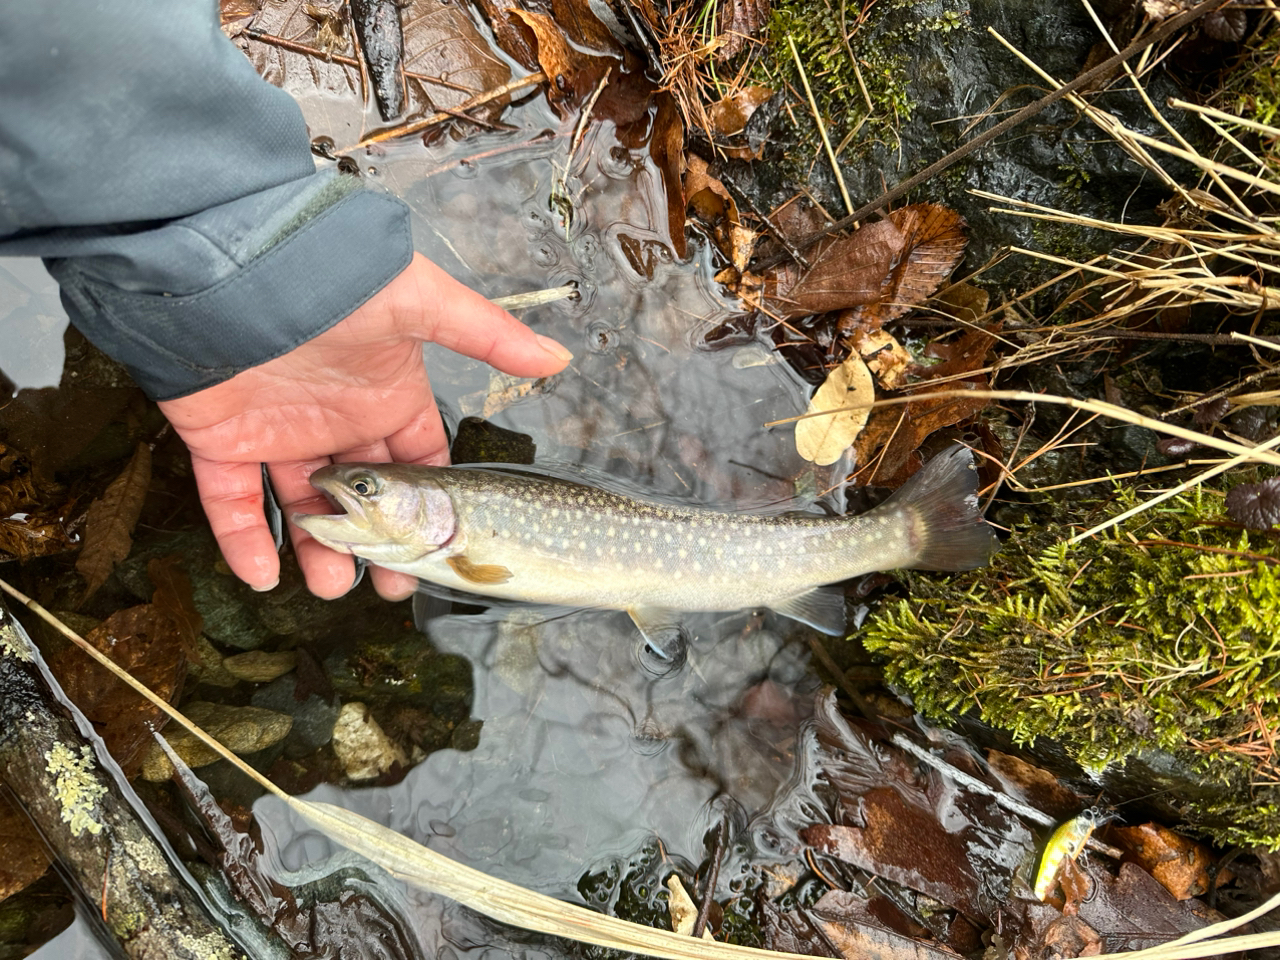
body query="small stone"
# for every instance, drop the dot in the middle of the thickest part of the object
(259, 666)
(240, 729)
(206, 665)
(362, 747)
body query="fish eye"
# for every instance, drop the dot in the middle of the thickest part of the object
(364, 485)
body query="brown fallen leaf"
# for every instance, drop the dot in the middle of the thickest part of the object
(933, 242)
(843, 272)
(34, 512)
(441, 40)
(145, 642)
(885, 357)
(849, 926)
(108, 534)
(23, 856)
(666, 147)
(574, 75)
(824, 439)
(710, 201)
(1179, 863)
(729, 115)
(889, 447)
(740, 22)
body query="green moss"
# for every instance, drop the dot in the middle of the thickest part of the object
(1163, 636)
(881, 43)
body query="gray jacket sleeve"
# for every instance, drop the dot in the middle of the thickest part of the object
(173, 194)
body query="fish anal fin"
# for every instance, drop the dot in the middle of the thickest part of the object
(821, 608)
(486, 573)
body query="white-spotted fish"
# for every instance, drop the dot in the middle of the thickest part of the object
(545, 540)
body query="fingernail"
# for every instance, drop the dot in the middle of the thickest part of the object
(270, 586)
(554, 348)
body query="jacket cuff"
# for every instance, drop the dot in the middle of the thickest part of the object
(299, 287)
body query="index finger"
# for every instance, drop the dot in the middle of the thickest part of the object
(440, 309)
(231, 494)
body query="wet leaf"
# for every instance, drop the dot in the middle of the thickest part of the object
(824, 439)
(933, 243)
(440, 40)
(848, 925)
(711, 201)
(1255, 505)
(907, 844)
(843, 272)
(730, 114)
(1036, 786)
(34, 514)
(23, 856)
(666, 147)
(108, 534)
(1179, 863)
(145, 641)
(890, 443)
(885, 357)
(740, 21)
(174, 602)
(573, 74)
(963, 302)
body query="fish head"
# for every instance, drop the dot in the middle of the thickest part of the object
(393, 514)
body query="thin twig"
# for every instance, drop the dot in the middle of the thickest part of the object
(822, 128)
(404, 130)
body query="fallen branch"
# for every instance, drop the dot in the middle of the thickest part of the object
(404, 130)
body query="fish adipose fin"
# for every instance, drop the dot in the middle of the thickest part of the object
(478, 572)
(821, 608)
(942, 499)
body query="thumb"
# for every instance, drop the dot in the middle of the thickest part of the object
(433, 306)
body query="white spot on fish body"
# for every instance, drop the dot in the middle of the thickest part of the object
(682, 553)
(610, 532)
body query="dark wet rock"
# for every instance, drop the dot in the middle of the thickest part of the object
(313, 717)
(227, 605)
(479, 441)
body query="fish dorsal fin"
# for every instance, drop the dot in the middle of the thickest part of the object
(486, 573)
(821, 608)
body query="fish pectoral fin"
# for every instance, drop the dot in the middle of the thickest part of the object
(478, 572)
(821, 608)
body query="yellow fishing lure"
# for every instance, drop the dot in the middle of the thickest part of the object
(1064, 844)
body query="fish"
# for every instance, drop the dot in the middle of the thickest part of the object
(547, 540)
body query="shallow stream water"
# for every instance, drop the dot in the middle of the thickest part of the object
(590, 752)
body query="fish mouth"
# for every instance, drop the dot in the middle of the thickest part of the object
(342, 530)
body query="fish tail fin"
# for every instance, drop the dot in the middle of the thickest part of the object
(941, 501)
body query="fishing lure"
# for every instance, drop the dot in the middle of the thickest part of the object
(1065, 843)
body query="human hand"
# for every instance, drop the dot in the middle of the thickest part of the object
(358, 391)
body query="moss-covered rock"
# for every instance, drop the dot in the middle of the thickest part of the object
(1164, 635)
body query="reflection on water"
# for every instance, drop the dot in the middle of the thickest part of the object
(586, 756)
(31, 324)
